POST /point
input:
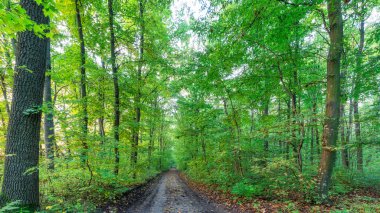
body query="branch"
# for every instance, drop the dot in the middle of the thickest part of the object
(56, 94)
(324, 38)
(287, 90)
(323, 16)
(296, 5)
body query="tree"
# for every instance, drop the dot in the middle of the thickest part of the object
(359, 68)
(21, 176)
(138, 94)
(331, 124)
(116, 86)
(83, 87)
(49, 117)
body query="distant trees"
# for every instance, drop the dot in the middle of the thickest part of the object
(49, 135)
(262, 79)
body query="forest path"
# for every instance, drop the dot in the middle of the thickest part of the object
(172, 195)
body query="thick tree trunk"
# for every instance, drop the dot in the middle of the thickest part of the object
(330, 131)
(49, 118)
(83, 85)
(115, 76)
(22, 147)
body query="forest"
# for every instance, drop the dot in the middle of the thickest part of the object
(190, 106)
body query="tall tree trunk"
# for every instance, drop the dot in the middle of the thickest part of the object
(343, 129)
(161, 141)
(83, 85)
(266, 134)
(203, 145)
(314, 131)
(302, 137)
(236, 154)
(312, 145)
(115, 76)
(21, 175)
(151, 144)
(330, 131)
(359, 58)
(49, 117)
(266, 114)
(289, 128)
(280, 143)
(137, 99)
(152, 134)
(344, 152)
(359, 149)
(101, 96)
(349, 127)
(297, 116)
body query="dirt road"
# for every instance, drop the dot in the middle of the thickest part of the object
(171, 195)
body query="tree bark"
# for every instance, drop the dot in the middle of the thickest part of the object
(22, 147)
(331, 124)
(115, 77)
(49, 117)
(83, 85)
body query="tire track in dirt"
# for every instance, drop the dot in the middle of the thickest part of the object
(172, 195)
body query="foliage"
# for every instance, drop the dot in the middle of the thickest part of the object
(232, 94)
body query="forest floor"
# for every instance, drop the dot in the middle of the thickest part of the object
(360, 200)
(167, 193)
(173, 192)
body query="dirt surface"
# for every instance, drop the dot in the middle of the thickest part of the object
(166, 194)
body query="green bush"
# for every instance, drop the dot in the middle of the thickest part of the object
(245, 189)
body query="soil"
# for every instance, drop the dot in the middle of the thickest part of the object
(166, 194)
